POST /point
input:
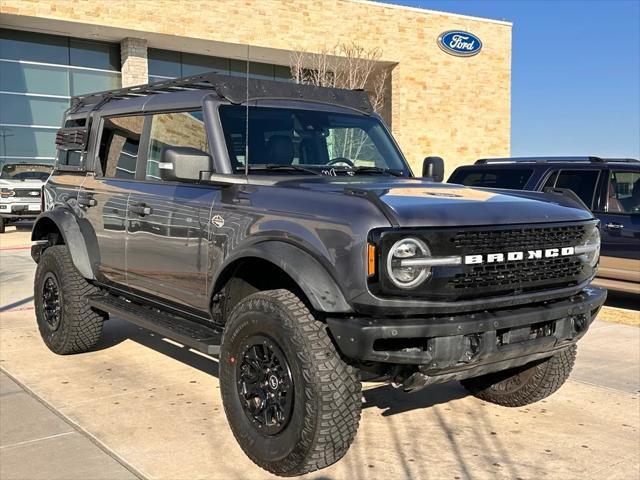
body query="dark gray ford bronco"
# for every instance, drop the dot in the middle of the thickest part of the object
(279, 227)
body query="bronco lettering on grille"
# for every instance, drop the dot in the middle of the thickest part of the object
(519, 255)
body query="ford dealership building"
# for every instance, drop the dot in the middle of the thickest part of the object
(448, 90)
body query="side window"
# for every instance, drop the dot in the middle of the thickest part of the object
(624, 192)
(177, 129)
(582, 182)
(72, 157)
(119, 145)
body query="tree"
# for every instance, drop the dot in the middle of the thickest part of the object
(347, 65)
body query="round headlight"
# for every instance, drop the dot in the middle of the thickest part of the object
(400, 269)
(591, 247)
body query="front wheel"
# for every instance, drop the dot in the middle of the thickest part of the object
(524, 385)
(66, 321)
(292, 403)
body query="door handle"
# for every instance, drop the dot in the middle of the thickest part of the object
(614, 226)
(141, 209)
(87, 202)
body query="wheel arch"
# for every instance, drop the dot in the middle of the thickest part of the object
(289, 264)
(60, 226)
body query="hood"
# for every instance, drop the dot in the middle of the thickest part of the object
(28, 183)
(419, 203)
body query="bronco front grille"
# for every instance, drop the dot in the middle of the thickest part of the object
(506, 276)
(482, 241)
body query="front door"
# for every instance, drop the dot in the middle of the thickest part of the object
(620, 226)
(168, 221)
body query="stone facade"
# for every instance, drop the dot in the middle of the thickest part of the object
(133, 56)
(454, 107)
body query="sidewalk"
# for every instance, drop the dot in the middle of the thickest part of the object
(43, 445)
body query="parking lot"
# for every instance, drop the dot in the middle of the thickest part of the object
(140, 406)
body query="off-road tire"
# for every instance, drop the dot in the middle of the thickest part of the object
(524, 385)
(80, 326)
(327, 391)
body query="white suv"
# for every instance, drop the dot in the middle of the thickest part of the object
(20, 191)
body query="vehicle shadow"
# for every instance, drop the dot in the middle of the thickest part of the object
(394, 401)
(19, 303)
(116, 331)
(624, 300)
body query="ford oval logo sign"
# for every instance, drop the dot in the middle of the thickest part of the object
(459, 43)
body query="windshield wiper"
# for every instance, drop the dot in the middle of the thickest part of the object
(390, 171)
(274, 166)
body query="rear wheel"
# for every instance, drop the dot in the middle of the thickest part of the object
(524, 385)
(292, 403)
(66, 321)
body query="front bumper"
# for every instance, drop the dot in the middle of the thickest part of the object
(19, 209)
(442, 345)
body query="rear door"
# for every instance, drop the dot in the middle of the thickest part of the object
(105, 194)
(167, 245)
(620, 221)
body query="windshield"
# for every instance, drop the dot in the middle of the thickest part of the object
(511, 178)
(25, 171)
(308, 141)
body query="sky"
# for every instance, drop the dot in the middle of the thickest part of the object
(575, 73)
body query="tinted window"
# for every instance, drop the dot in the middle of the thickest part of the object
(582, 182)
(183, 129)
(624, 192)
(119, 146)
(513, 178)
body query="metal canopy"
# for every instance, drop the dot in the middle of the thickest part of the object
(236, 90)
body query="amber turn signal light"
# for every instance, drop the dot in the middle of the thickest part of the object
(371, 260)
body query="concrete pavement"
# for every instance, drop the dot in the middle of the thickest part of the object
(155, 407)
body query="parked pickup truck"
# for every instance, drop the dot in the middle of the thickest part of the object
(20, 190)
(610, 187)
(279, 227)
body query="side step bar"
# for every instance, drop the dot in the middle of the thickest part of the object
(195, 335)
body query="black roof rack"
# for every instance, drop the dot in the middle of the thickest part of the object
(486, 161)
(233, 88)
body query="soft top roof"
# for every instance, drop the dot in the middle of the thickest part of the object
(236, 90)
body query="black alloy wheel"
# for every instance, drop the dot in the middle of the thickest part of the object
(265, 385)
(52, 301)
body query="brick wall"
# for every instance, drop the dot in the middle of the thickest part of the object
(458, 108)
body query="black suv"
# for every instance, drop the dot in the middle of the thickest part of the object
(279, 227)
(610, 187)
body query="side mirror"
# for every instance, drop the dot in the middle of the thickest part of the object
(183, 163)
(433, 167)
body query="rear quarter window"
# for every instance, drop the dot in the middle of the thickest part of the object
(512, 178)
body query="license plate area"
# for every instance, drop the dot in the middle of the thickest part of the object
(34, 208)
(524, 334)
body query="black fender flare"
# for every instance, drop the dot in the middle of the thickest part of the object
(84, 257)
(307, 272)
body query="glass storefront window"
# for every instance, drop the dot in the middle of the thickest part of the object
(85, 53)
(28, 110)
(163, 63)
(27, 142)
(41, 72)
(41, 79)
(34, 47)
(87, 81)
